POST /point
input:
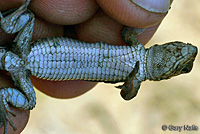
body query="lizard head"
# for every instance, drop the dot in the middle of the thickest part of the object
(170, 59)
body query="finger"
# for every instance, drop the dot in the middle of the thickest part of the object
(62, 89)
(136, 13)
(64, 12)
(44, 29)
(22, 116)
(102, 27)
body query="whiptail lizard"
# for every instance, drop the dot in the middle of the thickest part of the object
(61, 58)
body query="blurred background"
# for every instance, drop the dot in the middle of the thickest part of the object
(103, 111)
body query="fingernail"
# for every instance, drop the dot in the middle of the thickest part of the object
(156, 6)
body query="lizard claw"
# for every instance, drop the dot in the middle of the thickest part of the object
(131, 85)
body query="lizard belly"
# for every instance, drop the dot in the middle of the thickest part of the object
(67, 59)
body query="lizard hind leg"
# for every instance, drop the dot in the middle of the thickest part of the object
(131, 84)
(128, 35)
(21, 21)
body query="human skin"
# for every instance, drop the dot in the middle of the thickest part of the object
(92, 21)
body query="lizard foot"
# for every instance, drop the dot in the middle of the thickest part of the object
(128, 35)
(5, 114)
(131, 85)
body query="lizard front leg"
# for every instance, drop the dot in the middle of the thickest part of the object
(131, 85)
(128, 35)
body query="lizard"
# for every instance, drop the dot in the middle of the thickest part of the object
(62, 58)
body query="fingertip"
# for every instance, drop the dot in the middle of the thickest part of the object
(155, 6)
(130, 14)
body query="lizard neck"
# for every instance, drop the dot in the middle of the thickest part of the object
(147, 64)
(144, 62)
(141, 56)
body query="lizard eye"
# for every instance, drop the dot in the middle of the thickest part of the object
(187, 68)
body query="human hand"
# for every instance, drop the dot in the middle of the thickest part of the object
(91, 24)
